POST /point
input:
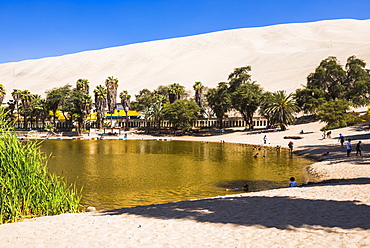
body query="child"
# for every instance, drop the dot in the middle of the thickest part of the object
(290, 145)
(293, 183)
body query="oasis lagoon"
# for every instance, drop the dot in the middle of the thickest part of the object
(127, 173)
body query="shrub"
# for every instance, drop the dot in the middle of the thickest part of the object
(27, 189)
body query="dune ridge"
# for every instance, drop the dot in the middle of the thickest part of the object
(281, 57)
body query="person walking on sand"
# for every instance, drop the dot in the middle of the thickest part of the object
(265, 140)
(349, 147)
(341, 139)
(358, 148)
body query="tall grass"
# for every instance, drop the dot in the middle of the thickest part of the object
(27, 189)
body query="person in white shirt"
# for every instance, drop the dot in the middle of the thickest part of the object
(349, 147)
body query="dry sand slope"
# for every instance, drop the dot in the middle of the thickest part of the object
(281, 57)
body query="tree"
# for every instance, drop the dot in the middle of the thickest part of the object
(100, 94)
(357, 81)
(238, 77)
(26, 98)
(83, 103)
(175, 91)
(125, 101)
(282, 108)
(329, 77)
(112, 84)
(331, 82)
(266, 103)
(56, 98)
(334, 113)
(83, 85)
(182, 113)
(246, 99)
(219, 100)
(2, 94)
(16, 94)
(38, 110)
(198, 87)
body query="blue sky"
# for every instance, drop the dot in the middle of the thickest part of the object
(36, 29)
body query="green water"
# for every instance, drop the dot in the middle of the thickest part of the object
(126, 173)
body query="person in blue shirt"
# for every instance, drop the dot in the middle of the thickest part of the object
(293, 183)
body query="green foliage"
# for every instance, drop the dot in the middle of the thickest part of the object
(175, 92)
(100, 94)
(27, 189)
(334, 113)
(282, 108)
(331, 82)
(219, 100)
(182, 113)
(246, 99)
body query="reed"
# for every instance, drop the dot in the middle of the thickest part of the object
(27, 189)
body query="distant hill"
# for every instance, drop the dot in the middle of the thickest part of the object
(281, 57)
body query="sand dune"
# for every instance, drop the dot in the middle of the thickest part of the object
(281, 57)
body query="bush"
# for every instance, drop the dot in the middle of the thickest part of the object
(27, 189)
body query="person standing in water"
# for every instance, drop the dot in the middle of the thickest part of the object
(292, 183)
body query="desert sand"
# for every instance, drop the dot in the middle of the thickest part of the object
(281, 57)
(332, 213)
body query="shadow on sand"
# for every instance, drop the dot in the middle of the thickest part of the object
(280, 211)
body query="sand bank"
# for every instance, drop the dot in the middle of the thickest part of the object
(334, 214)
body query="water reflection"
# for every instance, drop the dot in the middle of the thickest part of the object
(124, 173)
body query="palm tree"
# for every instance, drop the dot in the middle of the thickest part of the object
(16, 94)
(112, 84)
(198, 87)
(175, 92)
(83, 85)
(2, 94)
(26, 98)
(100, 93)
(282, 108)
(125, 101)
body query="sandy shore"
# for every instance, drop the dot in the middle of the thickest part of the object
(335, 213)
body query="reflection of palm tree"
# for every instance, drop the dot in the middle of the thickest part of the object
(282, 109)
(2, 94)
(198, 87)
(100, 103)
(112, 84)
(125, 101)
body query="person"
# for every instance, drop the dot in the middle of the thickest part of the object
(245, 187)
(290, 145)
(358, 148)
(256, 155)
(328, 134)
(265, 139)
(349, 147)
(292, 183)
(324, 134)
(341, 139)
